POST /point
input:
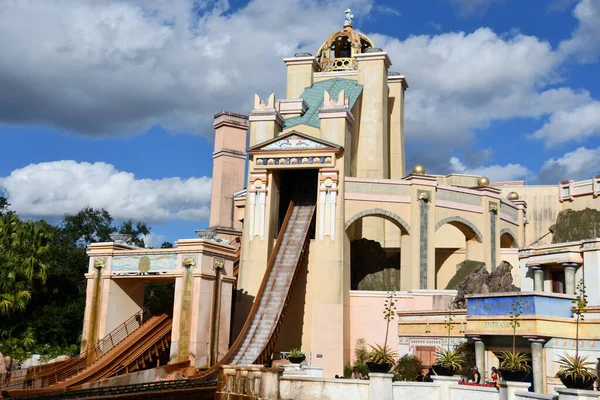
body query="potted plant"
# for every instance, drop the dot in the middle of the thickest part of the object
(576, 372)
(447, 361)
(381, 358)
(513, 365)
(295, 356)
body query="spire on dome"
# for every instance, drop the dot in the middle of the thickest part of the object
(349, 17)
(340, 49)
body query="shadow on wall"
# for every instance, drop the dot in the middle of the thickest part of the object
(242, 304)
(372, 268)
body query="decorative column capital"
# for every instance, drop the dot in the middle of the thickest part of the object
(189, 262)
(537, 340)
(570, 265)
(99, 263)
(218, 264)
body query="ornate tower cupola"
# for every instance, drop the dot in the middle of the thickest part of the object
(339, 51)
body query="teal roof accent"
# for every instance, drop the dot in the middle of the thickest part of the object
(314, 99)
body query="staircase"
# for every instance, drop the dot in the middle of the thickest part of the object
(278, 283)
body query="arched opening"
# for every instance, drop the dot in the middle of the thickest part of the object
(376, 241)
(507, 241)
(456, 240)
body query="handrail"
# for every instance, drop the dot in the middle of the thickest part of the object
(261, 292)
(74, 365)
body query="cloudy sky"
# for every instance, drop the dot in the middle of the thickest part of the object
(109, 104)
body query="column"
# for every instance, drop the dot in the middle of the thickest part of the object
(480, 357)
(445, 382)
(537, 360)
(380, 386)
(538, 278)
(508, 389)
(570, 269)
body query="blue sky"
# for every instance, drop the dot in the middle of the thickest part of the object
(110, 104)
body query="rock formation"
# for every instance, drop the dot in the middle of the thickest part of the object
(477, 280)
(3, 367)
(371, 268)
(576, 225)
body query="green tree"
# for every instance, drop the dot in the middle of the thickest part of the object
(166, 245)
(23, 260)
(4, 204)
(52, 320)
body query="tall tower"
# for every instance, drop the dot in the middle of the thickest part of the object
(342, 120)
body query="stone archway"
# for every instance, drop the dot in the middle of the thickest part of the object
(380, 212)
(456, 240)
(464, 225)
(376, 262)
(508, 239)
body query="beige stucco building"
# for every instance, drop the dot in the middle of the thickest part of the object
(336, 144)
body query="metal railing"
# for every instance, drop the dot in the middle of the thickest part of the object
(63, 371)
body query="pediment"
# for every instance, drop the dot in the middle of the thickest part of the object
(294, 141)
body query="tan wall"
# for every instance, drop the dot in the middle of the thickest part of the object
(542, 209)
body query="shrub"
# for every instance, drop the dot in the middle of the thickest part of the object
(407, 368)
(468, 352)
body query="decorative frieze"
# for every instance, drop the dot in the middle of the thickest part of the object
(458, 197)
(296, 161)
(376, 188)
(509, 212)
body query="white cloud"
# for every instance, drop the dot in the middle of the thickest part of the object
(462, 82)
(571, 125)
(51, 189)
(154, 240)
(495, 173)
(585, 42)
(115, 67)
(581, 163)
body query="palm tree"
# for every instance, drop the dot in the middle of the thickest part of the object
(23, 248)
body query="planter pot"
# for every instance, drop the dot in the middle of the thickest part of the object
(296, 360)
(579, 382)
(513, 375)
(378, 367)
(443, 371)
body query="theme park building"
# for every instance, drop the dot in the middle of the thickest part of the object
(315, 219)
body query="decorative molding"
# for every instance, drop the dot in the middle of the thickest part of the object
(376, 188)
(382, 213)
(461, 220)
(511, 234)
(294, 162)
(294, 142)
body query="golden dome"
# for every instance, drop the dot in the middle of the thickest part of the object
(418, 169)
(338, 52)
(483, 181)
(513, 196)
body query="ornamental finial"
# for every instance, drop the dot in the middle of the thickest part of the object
(349, 17)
